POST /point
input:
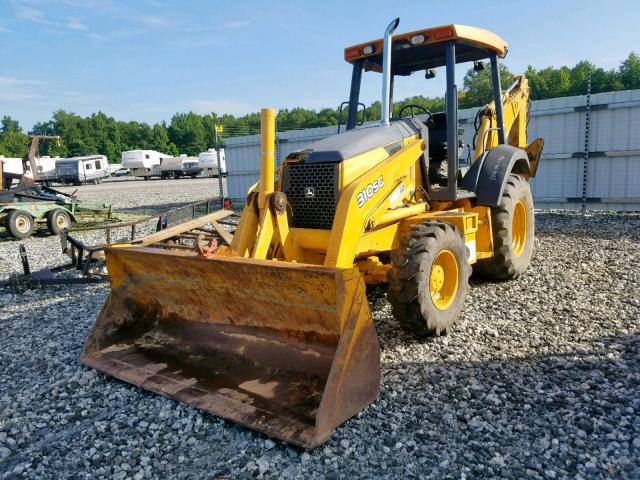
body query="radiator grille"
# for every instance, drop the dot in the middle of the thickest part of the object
(312, 191)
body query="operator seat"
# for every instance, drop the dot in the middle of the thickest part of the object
(437, 126)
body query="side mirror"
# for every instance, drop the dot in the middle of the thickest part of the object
(478, 66)
(429, 73)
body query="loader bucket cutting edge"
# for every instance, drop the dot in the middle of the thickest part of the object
(287, 349)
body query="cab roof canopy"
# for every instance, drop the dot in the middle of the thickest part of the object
(424, 49)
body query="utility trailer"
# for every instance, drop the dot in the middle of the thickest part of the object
(196, 227)
(24, 207)
(21, 219)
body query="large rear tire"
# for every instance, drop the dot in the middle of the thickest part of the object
(20, 224)
(513, 226)
(429, 279)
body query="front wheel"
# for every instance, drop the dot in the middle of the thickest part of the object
(513, 228)
(20, 224)
(429, 279)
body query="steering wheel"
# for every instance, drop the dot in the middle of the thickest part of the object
(419, 107)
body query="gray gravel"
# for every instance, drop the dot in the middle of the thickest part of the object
(125, 192)
(540, 379)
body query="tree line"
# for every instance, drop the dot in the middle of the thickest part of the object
(192, 133)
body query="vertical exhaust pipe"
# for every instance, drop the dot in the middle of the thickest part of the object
(267, 154)
(385, 111)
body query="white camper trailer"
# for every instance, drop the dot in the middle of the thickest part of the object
(11, 165)
(10, 168)
(85, 169)
(143, 163)
(208, 162)
(46, 167)
(182, 166)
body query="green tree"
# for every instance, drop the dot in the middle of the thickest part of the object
(579, 78)
(10, 125)
(629, 72)
(478, 89)
(160, 140)
(431, 104)
(67, 125)
(13, 141)
(13, 144)
(187, 132)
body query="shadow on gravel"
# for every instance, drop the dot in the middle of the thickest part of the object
(40, 233)
(565, 413)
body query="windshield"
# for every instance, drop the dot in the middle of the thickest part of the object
(410, 89)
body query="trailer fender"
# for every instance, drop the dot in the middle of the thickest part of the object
(488, 175)
(43, 214)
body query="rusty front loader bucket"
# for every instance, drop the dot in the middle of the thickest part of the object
(287, 349)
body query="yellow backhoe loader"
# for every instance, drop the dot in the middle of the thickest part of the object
(274, 331)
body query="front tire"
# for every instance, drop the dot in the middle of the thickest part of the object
(429, 279)
(513, 227)
(20, 224)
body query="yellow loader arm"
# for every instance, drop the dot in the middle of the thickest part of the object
(516, 105)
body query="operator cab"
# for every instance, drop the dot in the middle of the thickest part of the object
(424, 51)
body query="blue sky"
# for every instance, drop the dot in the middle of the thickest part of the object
(147, 59)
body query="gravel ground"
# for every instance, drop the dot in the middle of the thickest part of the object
(154, 195)
(540, 378)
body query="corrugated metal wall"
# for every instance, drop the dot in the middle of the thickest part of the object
(613, 167)
(243, 156)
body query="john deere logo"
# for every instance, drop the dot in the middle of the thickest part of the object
(309, 192)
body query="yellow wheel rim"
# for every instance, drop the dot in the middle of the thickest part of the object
(443, 279)
(519, 228)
